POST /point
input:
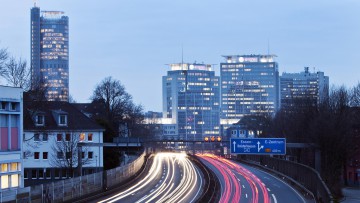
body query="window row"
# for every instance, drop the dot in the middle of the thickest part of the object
(61, 137)
(12, 106)
(60, 155)
(8, 181)
(40, 120)
(51, 173)
(10, 167)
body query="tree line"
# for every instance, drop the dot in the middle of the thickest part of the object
(332, 126)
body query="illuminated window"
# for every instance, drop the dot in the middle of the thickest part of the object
(4, 182)
(4, 167)
(90, 137)
(13, 166)
(82, 137)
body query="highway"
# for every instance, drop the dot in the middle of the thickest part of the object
(171, 178)
(241, 183)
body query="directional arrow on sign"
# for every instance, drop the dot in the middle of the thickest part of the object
(234, 143)
(259, 147)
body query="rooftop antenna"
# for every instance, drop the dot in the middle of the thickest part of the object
(182, 55)
(34, 3)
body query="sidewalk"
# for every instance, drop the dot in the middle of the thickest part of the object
(351, 195)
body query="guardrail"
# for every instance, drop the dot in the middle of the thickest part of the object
(305, 175)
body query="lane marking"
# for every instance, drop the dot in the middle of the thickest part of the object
(243, 186)
(275, 201)
(268, 189)
(246, 195)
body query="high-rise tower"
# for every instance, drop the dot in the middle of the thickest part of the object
(304, 87)
(249, 86)
(191, 100)
(50, 53)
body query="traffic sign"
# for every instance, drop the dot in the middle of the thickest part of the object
(268, 146)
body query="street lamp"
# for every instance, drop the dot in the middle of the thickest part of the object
(96, 163)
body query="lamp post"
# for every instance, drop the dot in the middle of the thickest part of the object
(96, 164)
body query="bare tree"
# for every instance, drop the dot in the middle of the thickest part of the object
(3, 59)
(65, 153)
(115, 108)
(355, 96)
(17, 73)
(116, 100)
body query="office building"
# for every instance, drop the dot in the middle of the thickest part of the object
(191, 101)
(303, 87)
(50, 53)
(249, 86)
(11, 130)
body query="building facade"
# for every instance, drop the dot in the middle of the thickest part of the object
(249, 86)
(50, 53)
(313, 87)
(191, 101)
(54, 133)
(11, 128)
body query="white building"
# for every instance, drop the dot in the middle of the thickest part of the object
(11, 126)
(52, 131)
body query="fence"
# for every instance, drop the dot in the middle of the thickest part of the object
(306, 176)
(120, 174)
(73, 188)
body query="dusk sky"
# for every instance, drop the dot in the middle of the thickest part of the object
(133, 40)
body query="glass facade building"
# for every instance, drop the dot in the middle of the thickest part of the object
(249, 86)
(50, 53)
(312, 87)
(191, 100)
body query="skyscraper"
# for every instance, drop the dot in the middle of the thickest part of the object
(191, 100)
(303, 87)
(249, 86)
(50, 53)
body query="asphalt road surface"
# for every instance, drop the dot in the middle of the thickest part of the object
(171, 178)
(242, 183)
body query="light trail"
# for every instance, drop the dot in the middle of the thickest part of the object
(232, 187)
(170, 187)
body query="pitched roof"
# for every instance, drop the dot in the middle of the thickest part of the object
(76, 120)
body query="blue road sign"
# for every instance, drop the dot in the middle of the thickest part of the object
(275, 146)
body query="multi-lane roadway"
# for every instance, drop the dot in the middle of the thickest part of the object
(241, 183)
(171, 178)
